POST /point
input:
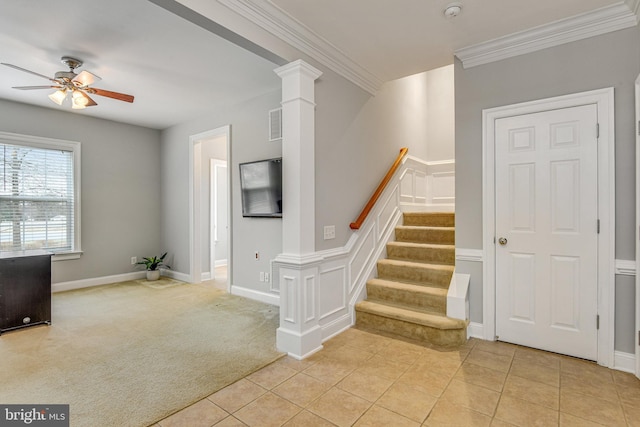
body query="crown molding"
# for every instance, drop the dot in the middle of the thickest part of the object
(274, 20)
(601, 21)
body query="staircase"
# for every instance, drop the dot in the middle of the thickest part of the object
(409, 296)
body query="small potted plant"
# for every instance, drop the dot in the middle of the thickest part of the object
(152, 265)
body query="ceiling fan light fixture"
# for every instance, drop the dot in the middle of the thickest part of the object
(80, 100)
(58, 96)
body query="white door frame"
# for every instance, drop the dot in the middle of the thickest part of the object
(195, 202)
(604, 100)
(636, 338)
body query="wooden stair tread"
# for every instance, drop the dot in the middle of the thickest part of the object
(406, 315)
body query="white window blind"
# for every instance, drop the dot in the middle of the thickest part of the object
(38, 195)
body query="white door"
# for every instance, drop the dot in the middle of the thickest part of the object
(546, 230)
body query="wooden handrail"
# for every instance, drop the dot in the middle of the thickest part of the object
(372, 201)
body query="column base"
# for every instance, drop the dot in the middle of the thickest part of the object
(299, 345)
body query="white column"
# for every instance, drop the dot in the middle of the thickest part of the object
(299, 333)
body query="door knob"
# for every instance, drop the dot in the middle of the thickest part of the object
(502, 241)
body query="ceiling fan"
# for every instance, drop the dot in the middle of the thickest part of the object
(70, 83)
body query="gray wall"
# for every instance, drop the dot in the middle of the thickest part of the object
(249, 141)
(120, 198)
(358, 137)
(611, 60)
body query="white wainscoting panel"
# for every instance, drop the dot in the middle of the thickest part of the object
(333, 297)
(343, 272)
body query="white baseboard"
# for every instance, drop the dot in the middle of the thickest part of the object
(221, 262)
(255, 295)
(96, 281)
(475, 330)
(624, 362)
(206, 276)
(336, 327)
(176, 275)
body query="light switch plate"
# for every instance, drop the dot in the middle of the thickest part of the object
(329, 232)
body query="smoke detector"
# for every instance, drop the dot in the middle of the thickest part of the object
(452, 10)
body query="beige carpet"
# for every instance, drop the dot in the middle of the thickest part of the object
(130, 354)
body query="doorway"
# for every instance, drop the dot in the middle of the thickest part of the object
(526, 271)
(546, 225)
(218, 220)
(210, 228)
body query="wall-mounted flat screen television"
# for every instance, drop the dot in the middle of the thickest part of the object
(261, 188)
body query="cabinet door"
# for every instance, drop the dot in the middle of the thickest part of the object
(25, 291)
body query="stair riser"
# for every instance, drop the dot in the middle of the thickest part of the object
(405, 298)
(440, 337)
(422, 254)
(441, 237)
(429, 220)
(432, 277)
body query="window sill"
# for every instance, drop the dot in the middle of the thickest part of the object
(64, 256)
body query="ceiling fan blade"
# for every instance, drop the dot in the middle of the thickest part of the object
(28, 71)
(109, 94)
(85, 78)
(36, 87)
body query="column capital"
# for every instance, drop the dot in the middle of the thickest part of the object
(298, 67)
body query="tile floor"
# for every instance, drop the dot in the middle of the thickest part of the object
(363, 379)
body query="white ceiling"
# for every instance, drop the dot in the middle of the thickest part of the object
(175, 69)
(178, 70)
(393, 39)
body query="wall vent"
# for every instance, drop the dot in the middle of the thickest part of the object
(275, 124)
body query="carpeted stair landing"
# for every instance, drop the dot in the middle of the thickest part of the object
(409, 296)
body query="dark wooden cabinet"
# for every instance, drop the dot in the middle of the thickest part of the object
(25, 289)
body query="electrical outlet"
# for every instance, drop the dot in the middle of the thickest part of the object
(329, 232)
(262, 276)
(266, 277)
(134, 260)
(257, 256)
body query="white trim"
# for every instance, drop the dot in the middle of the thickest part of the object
(96, 281)
(221, 262)
(75, 148)
(458, 296)
(176, 275)
(255, 295)
(625, 362)
(274, 20)
(604, 100)
(625, 267)
(636, 334)
(601, 21)
(475, 330)
(473, 255)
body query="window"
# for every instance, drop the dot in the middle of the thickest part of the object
(39, 195)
